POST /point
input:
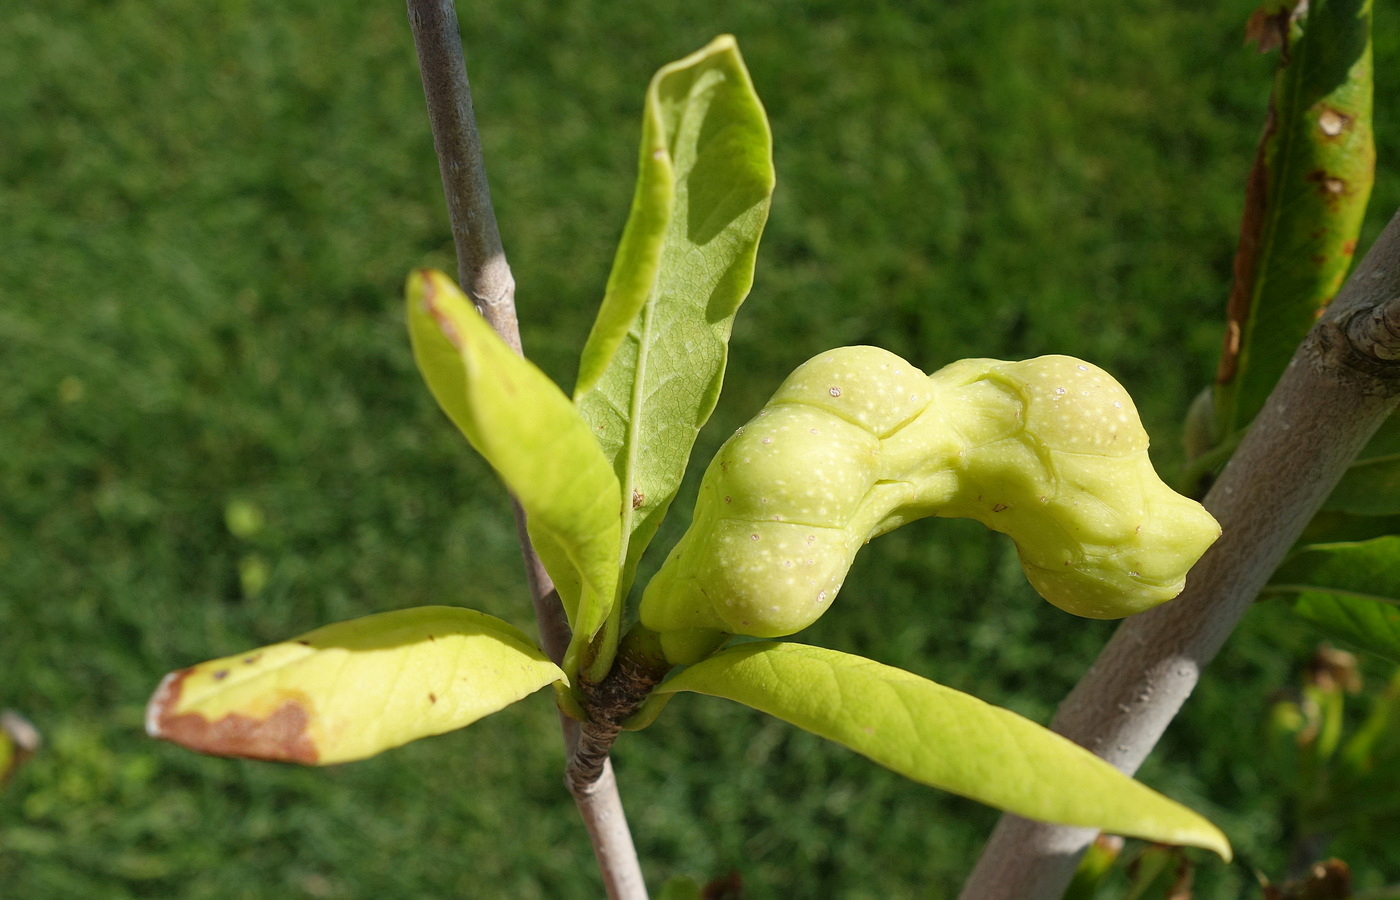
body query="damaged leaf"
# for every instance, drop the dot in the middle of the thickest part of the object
(1305, 198)
(353, 689)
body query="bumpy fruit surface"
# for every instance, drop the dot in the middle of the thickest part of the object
(856, 442)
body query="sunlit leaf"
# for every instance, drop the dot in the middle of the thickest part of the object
(1306, 197)
(651, 370)
(944, 738)
(534, 438)
(351, 690)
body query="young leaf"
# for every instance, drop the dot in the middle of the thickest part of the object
(351, 690)
(534, 438)
(944, 738)
(1306, 196)
(1350, 591)
(651, 370)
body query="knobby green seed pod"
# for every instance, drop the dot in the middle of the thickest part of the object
(856, 442)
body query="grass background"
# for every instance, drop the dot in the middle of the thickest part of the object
(208, 211)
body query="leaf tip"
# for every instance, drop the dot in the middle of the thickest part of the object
(429, 291)
(281, 736)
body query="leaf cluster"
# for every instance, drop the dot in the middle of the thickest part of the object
(595, 474)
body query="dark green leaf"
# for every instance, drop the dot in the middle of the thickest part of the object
(1368, 570)
(1366, 624)
(1371, 487)
(1350, 591)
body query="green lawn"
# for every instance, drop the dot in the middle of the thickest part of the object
(206, 215)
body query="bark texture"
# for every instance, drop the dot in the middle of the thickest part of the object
(486, 278)
(1342, 383)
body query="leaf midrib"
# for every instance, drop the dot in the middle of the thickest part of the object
(634, 415)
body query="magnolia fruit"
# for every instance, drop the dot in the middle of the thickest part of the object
(857, 442)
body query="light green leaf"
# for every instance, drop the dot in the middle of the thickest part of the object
(351, 690)
(1350, 591)
(944, 738)
(1306, 197)
(651, 370)
(535, 439)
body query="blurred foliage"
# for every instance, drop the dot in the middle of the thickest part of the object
(209, 211)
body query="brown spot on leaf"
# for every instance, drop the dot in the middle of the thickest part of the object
(1332, 123)
(1267, 27)
(304, 643)
(1349, 248)
(280, 737)
(1000, 507)
(432, 698)
(249, 660)
(1247, 250)
(221, 674)
(730, 887)
(638, 498)
(1329, 186)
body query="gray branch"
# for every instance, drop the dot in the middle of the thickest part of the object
(1339, 387)
(486, 278)
(481, 262)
